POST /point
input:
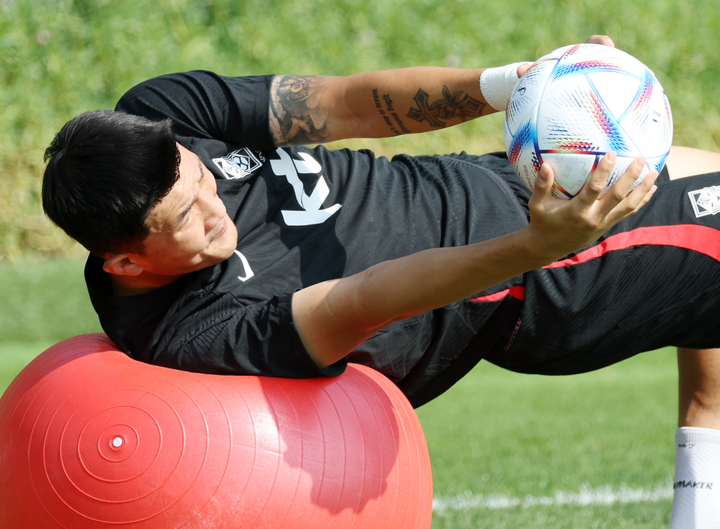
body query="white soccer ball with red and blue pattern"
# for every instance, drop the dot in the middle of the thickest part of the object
(576, 104)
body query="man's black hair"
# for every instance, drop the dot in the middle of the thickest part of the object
(105, 172)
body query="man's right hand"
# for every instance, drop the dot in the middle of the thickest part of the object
(559, 227)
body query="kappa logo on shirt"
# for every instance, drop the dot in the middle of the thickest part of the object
(239, 164)
(705, 201)
(312, 212)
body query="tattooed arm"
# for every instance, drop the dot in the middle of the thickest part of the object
(319, 109)
(378, 104)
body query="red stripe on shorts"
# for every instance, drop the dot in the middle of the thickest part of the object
(701, 239)
(514, 292)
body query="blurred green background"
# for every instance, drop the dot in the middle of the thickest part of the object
(61, 57)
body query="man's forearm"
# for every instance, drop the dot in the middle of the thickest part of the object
(354, 308)
(373, 104)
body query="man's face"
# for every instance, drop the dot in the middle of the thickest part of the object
(190, 228)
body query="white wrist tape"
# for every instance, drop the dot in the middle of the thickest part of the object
(496, 84)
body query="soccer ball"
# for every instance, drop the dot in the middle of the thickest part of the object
(576, 104)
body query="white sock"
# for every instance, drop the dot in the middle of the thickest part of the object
(696, 497)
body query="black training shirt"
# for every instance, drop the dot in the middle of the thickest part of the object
(304, 215)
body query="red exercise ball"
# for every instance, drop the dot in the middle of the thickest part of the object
(90, 438)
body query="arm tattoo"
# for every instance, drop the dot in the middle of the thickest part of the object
(388, 114)
(453, 105)
(295, 114)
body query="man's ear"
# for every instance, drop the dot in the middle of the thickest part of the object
(120, 264)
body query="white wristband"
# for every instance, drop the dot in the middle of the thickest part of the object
(496, 84)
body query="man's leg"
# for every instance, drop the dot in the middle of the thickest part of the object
(696, 502)
(699, 371)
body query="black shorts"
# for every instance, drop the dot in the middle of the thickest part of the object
(652, 281)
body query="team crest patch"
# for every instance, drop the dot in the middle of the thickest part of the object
(239, 164)
(705, 201)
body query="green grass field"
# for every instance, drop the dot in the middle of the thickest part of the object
(508, 450)
(511, 450)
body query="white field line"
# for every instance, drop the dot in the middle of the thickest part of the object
(587, 496)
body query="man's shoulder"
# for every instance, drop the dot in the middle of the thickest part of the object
(206, 105)
(193, 82)
(130, 321)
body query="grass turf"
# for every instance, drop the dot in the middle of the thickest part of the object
(511, 436)
(44, 300)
